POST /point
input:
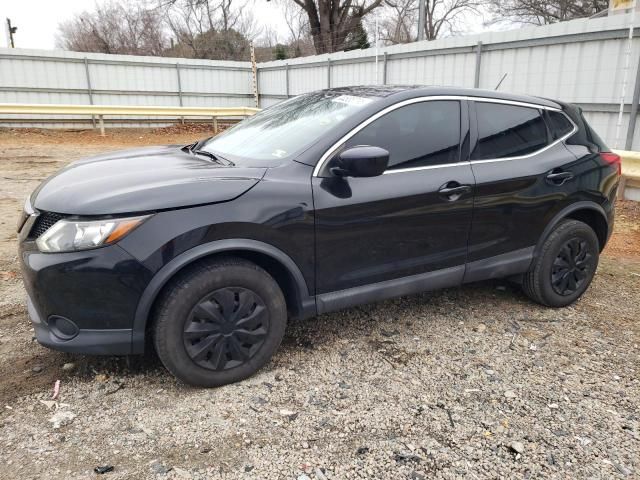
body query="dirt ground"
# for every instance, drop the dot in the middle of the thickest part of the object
(476, 382)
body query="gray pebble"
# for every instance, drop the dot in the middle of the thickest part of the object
(68, 367)
(158, 468)
(517, 447)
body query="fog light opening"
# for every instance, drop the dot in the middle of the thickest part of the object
(62, 327)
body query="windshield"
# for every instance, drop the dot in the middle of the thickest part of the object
(285, 129)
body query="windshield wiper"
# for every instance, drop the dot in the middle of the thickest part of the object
(187, 148)
(210, 155)
(199, 143)
(193, 148)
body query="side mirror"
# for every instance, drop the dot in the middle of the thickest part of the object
(361, 161)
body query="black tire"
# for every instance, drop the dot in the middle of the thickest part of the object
(229, 308)
(564, 266)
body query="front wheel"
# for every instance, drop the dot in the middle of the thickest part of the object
(565, 265)
(219, 322)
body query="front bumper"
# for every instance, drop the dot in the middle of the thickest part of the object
(92, 295)
(86, 341)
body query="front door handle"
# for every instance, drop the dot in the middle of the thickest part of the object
(558, 178)
(453, 190)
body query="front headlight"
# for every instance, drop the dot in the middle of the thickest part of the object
(70, 235)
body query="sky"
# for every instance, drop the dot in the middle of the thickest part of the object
(37, 20)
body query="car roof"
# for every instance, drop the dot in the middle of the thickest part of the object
(410, 91)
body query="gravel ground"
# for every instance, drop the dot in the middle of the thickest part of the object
(476, 382)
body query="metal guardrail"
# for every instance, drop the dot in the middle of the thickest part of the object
(630, 171)
(119, 110)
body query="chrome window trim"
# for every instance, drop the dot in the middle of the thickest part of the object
(543, 149)
(427, 167)
(430, 98)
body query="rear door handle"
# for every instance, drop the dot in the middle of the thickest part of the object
(558, 178)
(453, 190)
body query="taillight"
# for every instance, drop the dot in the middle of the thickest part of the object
(612, 159)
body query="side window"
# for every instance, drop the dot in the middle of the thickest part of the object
(417, 135)
(559, 124)
(508, 131)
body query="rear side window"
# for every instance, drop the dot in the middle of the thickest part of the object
(559, 124)
(508, 131)
(417, 135)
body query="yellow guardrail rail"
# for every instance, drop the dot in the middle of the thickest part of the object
(630, 171)
(121, 110)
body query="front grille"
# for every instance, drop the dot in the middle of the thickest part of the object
(44, 222)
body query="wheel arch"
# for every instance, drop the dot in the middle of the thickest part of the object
(278, 264)
(587, 212)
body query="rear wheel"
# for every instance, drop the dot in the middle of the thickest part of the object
(219, 322)
(565, 265)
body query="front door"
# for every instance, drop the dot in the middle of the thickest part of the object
(415, 218)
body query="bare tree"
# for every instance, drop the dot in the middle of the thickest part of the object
(542, 12)
(269, 37)
(215, 29)
(296, 20)
(399, 21)
(444, 17)
(332, 21)
(204, 15)
(122, 27)
(299, 41)
(267, 44)
(295, 42)
(228, 17)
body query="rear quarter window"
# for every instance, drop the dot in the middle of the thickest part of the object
(508, 131)
(559, 124)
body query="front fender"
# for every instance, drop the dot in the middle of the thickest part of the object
(167, 272)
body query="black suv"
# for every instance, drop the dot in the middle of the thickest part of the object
(324, 201)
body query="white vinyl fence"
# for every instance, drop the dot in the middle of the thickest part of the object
(56, 77)
(581, 61)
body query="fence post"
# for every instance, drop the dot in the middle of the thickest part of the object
(631, 129)
(101, 123)
(89, 89)
(254, 71)
(476, 82)
(328, 73)
(179, 89)
(384, 68)
(286, 72)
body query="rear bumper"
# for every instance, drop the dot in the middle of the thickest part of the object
(611, 222)
(86, 341)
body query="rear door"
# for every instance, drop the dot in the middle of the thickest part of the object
(523, 172)
(415, 218)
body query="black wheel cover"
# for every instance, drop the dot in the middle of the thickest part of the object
(226, 328)
(572, 267)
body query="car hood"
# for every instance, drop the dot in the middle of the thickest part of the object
(141, 179)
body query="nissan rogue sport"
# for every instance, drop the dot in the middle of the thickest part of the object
(324, 201)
